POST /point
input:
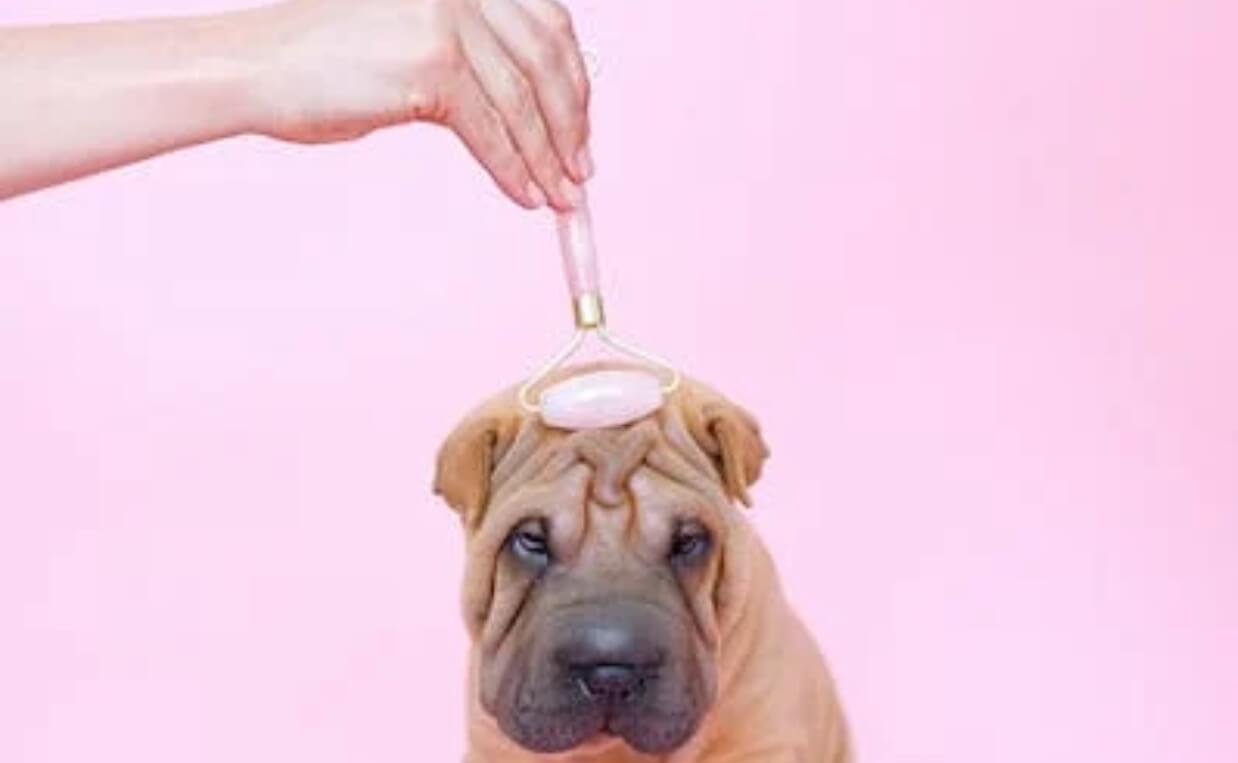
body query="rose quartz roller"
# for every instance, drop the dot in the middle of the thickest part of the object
(597, 399)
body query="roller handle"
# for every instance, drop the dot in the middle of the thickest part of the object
(580, 265)
(580, 260)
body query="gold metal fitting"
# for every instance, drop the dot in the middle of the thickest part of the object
(588, 312)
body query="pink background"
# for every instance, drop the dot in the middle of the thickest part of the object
(972, 263)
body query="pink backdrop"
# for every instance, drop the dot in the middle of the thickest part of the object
(972, 263)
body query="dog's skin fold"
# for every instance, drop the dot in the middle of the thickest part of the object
(621, 608)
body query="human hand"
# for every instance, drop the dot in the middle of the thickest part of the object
(506, 75)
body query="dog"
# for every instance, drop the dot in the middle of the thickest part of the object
(620, 606)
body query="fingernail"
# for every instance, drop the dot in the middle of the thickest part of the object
(571, 192)
(584, 162)
(535, 195)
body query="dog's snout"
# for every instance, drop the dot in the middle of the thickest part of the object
(611, 644)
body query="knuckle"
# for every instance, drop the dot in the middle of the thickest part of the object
(503, 154)
(569, 127)
(548, 58)
(504, 163)
(579, 134)
(513, 169)
(429, 107)
(521, 102)
(510, 169)
(584, 88)
(560, 19)
(547, 162)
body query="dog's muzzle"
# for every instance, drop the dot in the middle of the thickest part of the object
(623, 668)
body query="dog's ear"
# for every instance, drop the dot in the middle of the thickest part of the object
(466, 461)
(731, 437)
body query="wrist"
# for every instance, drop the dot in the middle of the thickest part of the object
(233, 68)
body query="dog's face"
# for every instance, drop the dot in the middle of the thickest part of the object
(602, 567)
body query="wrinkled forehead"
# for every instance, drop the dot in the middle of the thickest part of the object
(652, 460)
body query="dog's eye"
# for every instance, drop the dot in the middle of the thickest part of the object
(691, 543)
(529, 542)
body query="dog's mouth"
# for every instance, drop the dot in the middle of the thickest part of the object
(586, 726)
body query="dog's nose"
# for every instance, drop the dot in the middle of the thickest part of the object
(612, 659)
(609, 643)
(611, 682)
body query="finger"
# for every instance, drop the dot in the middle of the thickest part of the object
(556, 18)
(550, 59)
(483, 132)
(515, 100)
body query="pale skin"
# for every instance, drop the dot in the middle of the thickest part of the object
(506, 76)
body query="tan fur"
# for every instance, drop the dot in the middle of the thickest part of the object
(775, 700)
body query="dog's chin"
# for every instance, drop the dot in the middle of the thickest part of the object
(660, 736)
(598, 744)
(589, 731)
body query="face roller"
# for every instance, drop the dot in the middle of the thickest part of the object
(596, 399)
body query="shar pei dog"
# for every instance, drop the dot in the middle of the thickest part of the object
(620, 605)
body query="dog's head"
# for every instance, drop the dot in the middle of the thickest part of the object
(604, 567)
